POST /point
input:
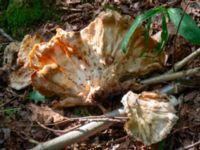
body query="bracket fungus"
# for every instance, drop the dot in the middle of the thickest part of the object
(151, 116)
(85, 65)
(82, 66)
(21, 76)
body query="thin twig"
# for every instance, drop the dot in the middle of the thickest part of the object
(50, 129)
(101, 118)
(171, 76)
(104, 119)
(90, 118)
(190, 146)
(186, 60)
(58, 131)
(33, 141)
(7, 102)
(71, 9)
(78, 134)
(6, 35)
(173, 3)
(186, 127)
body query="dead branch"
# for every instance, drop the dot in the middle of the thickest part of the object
(107, 119)
(78, 134)
(83, 119)
(33, 141)
(186, 60)
(190, 146)
(6, 35)
(171, 76)
(57, 131)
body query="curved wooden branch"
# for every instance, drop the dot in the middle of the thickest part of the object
(79, 134)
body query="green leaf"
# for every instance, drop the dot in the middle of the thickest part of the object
(137, 21)
(188, 27)
(36, 97)
(164, 35)
(147, 30)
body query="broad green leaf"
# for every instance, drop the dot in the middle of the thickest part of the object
(36, 97)
(137, 21)
(164, 34)
(188, 27)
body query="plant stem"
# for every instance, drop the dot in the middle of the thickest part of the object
(175, 45)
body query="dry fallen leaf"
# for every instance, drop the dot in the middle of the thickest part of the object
(151, 116)
(44, 114)
(84, 66)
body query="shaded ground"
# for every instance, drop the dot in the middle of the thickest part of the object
(19, 131)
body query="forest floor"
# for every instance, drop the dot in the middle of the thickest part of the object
(18, 130)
